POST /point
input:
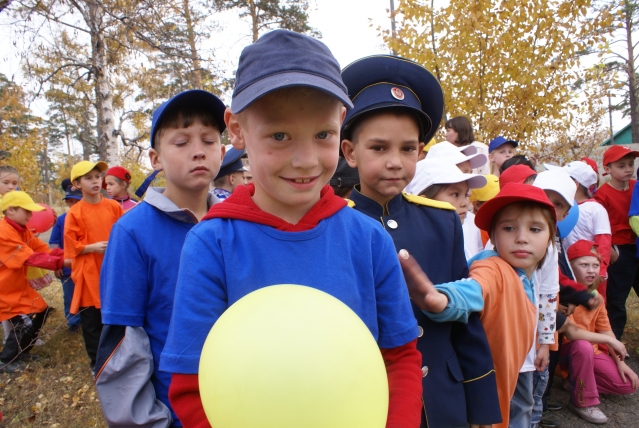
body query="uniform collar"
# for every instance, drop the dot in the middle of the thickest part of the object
(373, 208)
(155, 197)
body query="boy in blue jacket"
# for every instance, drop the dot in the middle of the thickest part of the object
(139, 273)
(286, 227)
(398, 105)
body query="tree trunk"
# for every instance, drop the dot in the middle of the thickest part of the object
(195, 59)
(632, 79)
(107, 141)
(254, 20)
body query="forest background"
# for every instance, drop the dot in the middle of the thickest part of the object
(79, 79)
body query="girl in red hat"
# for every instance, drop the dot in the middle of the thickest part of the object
(116, 182)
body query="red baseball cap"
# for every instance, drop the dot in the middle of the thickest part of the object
(592, 164)
(582, 248)
(614, 153)
(516, 174)
(119, 172)
(511, 193)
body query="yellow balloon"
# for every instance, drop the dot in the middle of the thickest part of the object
(290, 356)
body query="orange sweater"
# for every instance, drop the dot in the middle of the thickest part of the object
(87, 224)
(16, 296)
(509, 319)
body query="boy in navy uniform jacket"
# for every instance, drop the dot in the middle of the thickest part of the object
(139, 274)
(397, 106)
(288, 226)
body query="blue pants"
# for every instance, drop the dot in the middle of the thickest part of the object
(522, 402)
(540, 380)
(623, 275)
(67, 291)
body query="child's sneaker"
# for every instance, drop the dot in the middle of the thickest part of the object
(12, 367)
(591, 414)
(28, 357)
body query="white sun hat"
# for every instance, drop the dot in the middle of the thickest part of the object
(557, 179)
(456, 155)
(578, 170)
(435, 171)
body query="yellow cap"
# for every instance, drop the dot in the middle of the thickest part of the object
(84, 167)
(487, 192)
(16, 198)
(430, 144)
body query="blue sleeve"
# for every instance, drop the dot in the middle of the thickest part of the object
(396, 322)
(200, 299)
(634, 203)
(57, 233)
(464, 297)
(123, 281)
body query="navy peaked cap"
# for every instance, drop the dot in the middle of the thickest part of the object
(383, 81)
(282, 59)
(232, 162)
(203, 99)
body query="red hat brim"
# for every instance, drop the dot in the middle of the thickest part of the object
(511, 193)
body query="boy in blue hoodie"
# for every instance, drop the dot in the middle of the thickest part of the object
(139, 273)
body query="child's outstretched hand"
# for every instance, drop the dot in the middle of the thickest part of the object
(626, 372)
(541, 361)
(420, 288)
(618, 347)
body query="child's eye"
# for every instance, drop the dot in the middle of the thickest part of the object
(377, 148)
(535, 229)
(409, 149)
(508, 228)
(279, 136)
(322, 135)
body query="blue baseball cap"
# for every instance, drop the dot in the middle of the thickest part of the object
(202, 99)
(72, 193)
(383, 81)
(500, 141)
(282, 59)
(232, 162)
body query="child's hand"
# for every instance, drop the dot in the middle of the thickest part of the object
(566, 310)
(541, 362)
(595, 301)
(99, 247)
(618, 347)
(626, 371)
(420, 288)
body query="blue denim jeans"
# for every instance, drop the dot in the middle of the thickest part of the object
(522, 402)
(68, 287)
(540, 380)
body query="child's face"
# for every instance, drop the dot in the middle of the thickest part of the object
(586, 269)
(501, 154)
(465, 167)
(19, 215)
(190, 157)
(457, 195)
(622, 169)
(521, 237)
(113, 186)
(71, 202)
(385, 153)
(292, 140)
(477, 205)
(8, 182)
(561, 206)
(451, 136)
(90, 183)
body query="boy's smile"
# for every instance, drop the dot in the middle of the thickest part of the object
(385, 152)
(292, 139)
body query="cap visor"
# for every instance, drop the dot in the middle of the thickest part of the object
(33, 207)
(286, 80)
(468, 150)
(477, 160)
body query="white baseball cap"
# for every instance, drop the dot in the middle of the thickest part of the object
(453, 154)
(557, 179)
(578, 170)
(436, 171)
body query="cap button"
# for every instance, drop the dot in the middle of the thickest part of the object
(392, 224)
(420, 331)
(425, 371)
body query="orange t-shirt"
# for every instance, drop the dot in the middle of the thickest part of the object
(594, 321)
(16, 296)
(509, 319)
(87, 224)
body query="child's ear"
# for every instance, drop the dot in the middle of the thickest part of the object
(154, 157)
(343, 115)
(234, 128)
(490, 157)
(76, 184)
(348, 147)
(606, 169)
(420, 148)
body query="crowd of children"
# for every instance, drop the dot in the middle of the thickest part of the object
(478, 274)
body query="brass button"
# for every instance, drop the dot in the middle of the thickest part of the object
(425, 371)
(392, 224)
(421, 331)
